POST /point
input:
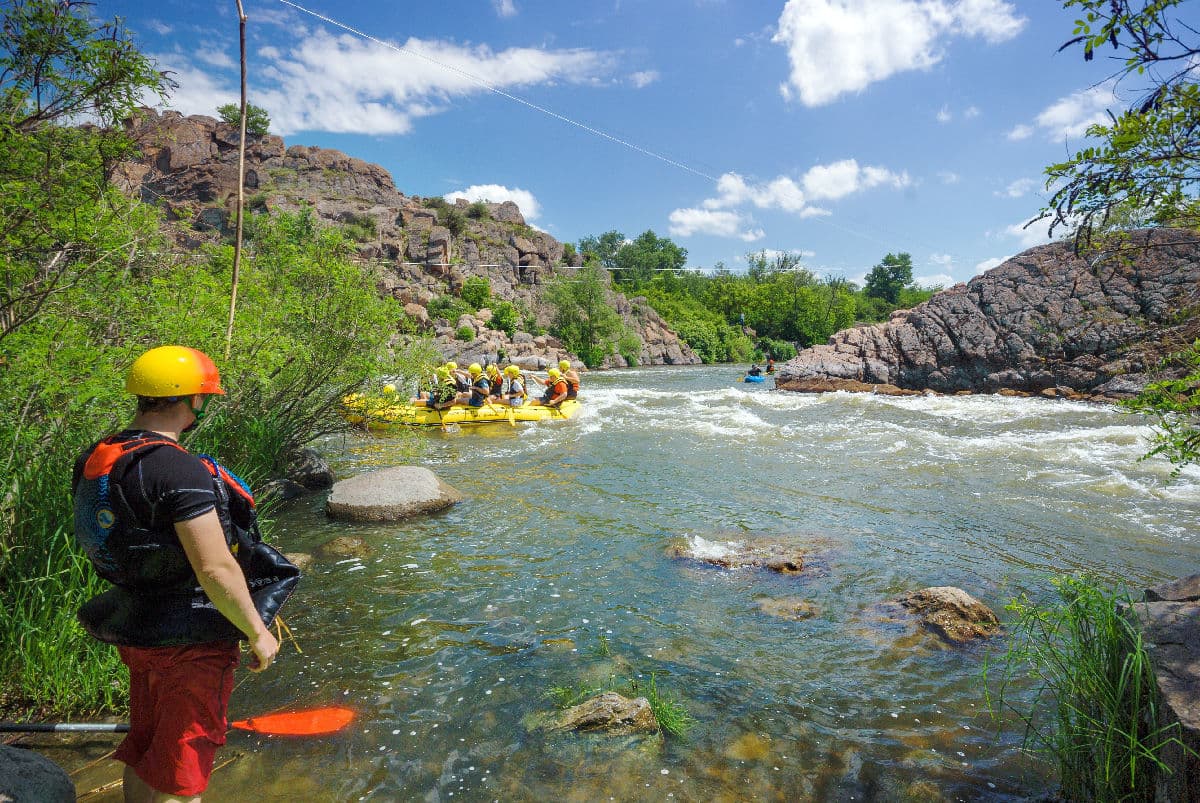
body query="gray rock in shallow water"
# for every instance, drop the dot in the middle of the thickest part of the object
(390, 494)
(28, 777)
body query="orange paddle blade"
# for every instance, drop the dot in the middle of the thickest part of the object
(313, 722)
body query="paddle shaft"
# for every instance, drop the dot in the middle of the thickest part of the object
(64, 727)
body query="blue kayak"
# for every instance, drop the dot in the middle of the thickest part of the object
(750, 378)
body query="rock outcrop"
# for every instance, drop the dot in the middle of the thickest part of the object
(420, 248)
(1046, 322)
(1170, 623)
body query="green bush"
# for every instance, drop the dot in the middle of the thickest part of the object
(479, 211)
(781, 350)
(448, 307)
(453, 219)
(505, 317)
(476, 291)
(309, 328)
(464, 333)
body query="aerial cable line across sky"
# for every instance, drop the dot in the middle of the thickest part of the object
(549, 112)
(515, 98)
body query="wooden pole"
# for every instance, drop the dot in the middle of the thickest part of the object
(237, 242)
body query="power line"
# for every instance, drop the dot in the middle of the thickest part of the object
(492, 88)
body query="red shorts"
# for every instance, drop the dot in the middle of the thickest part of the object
(178, 700)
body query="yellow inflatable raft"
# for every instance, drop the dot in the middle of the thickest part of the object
(383, 414)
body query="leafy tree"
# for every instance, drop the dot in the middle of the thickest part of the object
(257, 119)
(889, 277)
(59, 66)
(1145, 170)
(1146, 167)
(583, 319)
(637, 262)
(602, 248)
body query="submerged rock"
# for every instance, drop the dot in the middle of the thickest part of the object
(609, 713)
(344, 546)
(952, 614)
(390, 494)
(795, 608)
(782, 558)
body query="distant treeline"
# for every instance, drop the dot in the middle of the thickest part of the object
(784, 305)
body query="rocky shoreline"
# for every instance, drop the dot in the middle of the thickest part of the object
(1048, 322)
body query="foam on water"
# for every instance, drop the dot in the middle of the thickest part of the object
(702, 549)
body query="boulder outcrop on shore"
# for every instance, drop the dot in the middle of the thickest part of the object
(419, 248)
(1047, 321)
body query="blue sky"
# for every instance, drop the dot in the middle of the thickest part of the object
(840, 130)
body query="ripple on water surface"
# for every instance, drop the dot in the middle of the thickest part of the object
(556, 572)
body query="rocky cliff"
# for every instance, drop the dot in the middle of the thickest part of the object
(421, 248)
(1046, 322)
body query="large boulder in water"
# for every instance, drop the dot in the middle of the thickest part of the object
(390, 494)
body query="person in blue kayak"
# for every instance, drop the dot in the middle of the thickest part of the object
(754, 370)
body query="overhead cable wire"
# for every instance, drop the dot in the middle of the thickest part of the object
(492, 88)
(555, 115)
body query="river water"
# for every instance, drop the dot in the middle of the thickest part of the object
(556, 571)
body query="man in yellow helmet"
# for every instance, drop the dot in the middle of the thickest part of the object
(571, 376)
(495, 381)
(480, 387)
(556, 389)
(516, 394)
(159, 523)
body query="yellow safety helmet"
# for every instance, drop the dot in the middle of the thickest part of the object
(554, 373)
(451, 366)
(564, 365)
(173, 371)
(474, 370)
(512, 370)
(493, 369)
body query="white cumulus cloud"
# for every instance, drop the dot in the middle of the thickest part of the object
(839, 179)
(505, 8)
(1070, 117)
(497, 194)
(720, 223)
(719, 215)
(343, 84)
(837, 47)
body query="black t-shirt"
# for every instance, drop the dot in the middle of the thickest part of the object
(163, 485)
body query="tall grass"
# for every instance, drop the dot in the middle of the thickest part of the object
(1095, 711)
